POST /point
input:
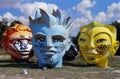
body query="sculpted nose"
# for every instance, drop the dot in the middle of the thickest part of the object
(49, 43)
(23, 45)
(49, 46)
(92, 45)
(92, 49)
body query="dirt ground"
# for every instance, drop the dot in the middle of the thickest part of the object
(76, 69)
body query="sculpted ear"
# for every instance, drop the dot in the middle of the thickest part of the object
(115, 47)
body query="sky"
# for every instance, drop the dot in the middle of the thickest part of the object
(83, 11)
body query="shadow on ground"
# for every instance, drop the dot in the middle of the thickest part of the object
(34, 65)
(8, 63)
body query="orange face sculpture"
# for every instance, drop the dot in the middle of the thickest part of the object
(17, 42)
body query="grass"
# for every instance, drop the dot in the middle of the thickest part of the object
(76, 69)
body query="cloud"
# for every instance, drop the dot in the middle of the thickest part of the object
(85, 4)
(9, 16)
(76, 25)
(114, 10)
(29, 9)
(23, 20)
(82, 11)
(12, 18)
(101, 17)
(83, 8)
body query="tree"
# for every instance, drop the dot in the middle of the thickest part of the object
(3, 26)
(75, 40)
(14, 23)
(117, 25)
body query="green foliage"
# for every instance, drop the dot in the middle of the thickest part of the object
(3, 27)
(74, 40)
(14, 23)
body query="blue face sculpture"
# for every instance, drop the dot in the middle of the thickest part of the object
(50, 37)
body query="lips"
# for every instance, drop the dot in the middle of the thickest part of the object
(24, 52)
(90, 58)
(49, 55)
(53, 50)
(48, 51)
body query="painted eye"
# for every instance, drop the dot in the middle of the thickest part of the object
(58, 38)
(40, 39)
(29, 41)
(83, 40)
(17, 42)
(101, 40)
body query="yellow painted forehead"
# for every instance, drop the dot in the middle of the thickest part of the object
(99, 27)
(96, 28)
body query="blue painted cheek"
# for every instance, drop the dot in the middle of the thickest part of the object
(39, 45)
(59, 46)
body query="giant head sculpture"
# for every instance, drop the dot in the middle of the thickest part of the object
(17, 42)
(97, 42)
(50, 37)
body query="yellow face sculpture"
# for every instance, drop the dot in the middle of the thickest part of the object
(97, 42)
(17, 42)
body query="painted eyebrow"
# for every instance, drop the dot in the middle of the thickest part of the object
(84, 33)
(60, 36)
(39, 35)
(104, 33)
